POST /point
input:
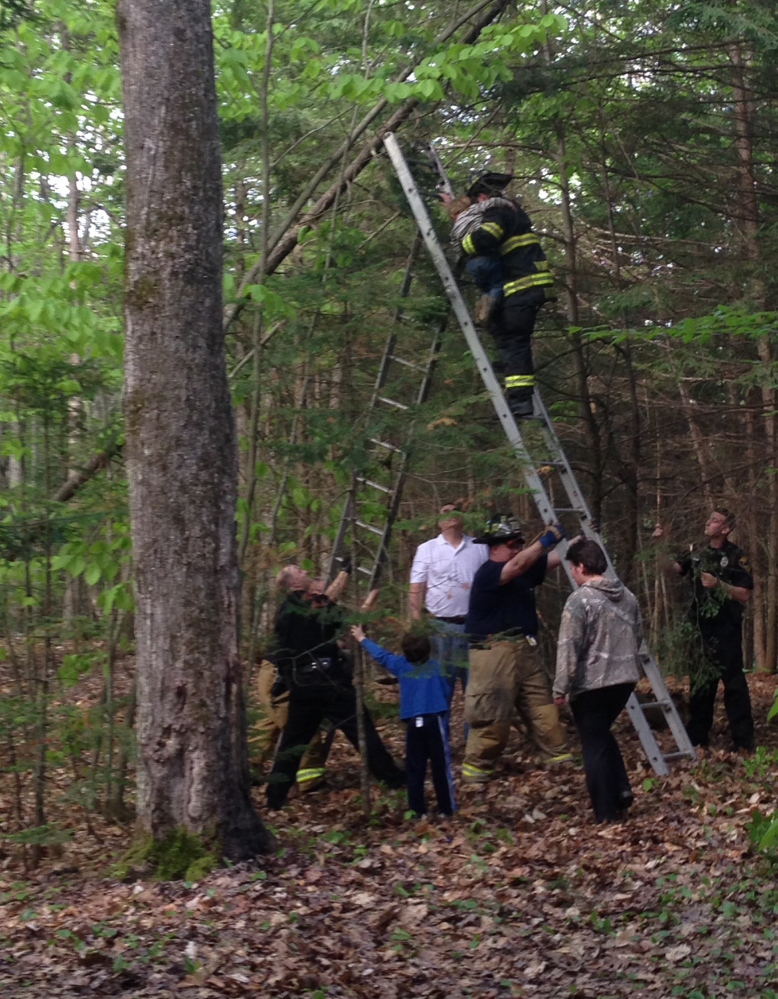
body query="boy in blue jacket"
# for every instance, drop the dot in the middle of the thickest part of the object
(424, 707)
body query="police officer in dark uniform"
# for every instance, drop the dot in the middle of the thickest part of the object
(506, 232)
(722, 581)
(318, 677)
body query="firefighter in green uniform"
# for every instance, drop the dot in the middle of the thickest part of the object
(505, 233)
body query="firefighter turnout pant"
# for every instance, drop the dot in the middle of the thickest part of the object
(506, 677)
(266, 731)
(512, 325)
(308, 707)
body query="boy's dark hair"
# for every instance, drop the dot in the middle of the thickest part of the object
(589, 555)
(416, 648)
(729, 517)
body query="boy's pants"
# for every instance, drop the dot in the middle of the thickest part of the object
(427, 739)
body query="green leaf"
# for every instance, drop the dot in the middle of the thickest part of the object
(300, 496)
(428, 88)
(70, 386)
(77, 566)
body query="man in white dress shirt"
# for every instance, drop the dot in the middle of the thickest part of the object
(441, 577)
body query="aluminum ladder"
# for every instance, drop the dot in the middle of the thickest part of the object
(370, 510)
(555, 458)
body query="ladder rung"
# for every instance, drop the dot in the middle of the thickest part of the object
(362, 569)
(569, 509)
(373, 485)
(369, 527)
(664, 705)
(385, 444)
(407, 364)
(392, 402)
(675, 755)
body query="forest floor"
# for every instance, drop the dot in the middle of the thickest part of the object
(520, 895)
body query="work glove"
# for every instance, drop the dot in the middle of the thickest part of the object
(345, 563)
(552, 535)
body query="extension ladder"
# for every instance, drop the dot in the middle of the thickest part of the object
(555, 458)
(370, 510)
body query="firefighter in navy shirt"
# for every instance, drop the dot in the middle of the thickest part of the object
(506, 673)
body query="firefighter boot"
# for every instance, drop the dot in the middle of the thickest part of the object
(520, 405)
(518, 395)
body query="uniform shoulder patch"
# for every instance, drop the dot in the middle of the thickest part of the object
(744, 563)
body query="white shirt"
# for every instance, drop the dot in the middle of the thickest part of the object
(448, 573)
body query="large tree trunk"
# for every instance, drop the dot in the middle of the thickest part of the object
(181, 447)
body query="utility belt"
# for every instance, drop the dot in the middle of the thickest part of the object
(452, 620)
(313, 671)
(518, 636)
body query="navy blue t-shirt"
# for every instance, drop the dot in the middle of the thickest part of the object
(507, 609)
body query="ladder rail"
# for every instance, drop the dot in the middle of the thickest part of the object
(534, 481)
(350, 519)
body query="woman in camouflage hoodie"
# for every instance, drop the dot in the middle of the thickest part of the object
(597, 668)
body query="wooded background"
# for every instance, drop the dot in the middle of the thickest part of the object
(642, 139)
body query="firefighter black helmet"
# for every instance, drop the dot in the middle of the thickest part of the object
(500, 528)
(490, 183)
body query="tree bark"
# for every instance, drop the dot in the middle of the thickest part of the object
(181, 443)
(748, 223)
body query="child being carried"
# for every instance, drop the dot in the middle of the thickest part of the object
(487, 273)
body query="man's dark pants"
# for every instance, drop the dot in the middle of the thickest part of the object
(309, 705)
(723, 652)
(606, 776)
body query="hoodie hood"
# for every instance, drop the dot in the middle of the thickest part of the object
(613, 589)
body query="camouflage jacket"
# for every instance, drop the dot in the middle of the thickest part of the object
(599, 638)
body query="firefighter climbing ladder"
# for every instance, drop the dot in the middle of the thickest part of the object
(555, 458)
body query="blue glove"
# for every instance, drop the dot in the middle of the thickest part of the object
(553, 534)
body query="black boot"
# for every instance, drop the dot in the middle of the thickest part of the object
(520, 404)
